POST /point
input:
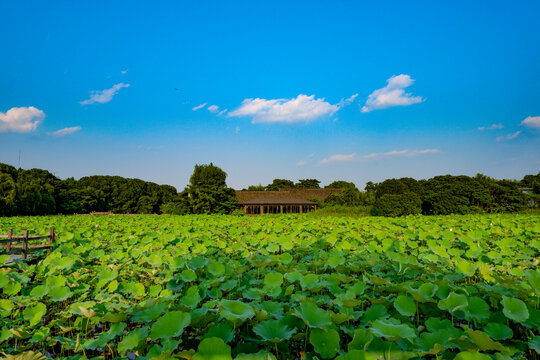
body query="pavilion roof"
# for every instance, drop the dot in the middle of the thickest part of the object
(278, 201)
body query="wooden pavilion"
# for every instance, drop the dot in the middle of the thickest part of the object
(278, 206)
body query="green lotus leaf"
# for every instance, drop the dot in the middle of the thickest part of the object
(63, 263)
(154, 260)
(188, 275)
(107, 275)
(213, 349)
(356, 355)
(236, 311)
(293, 276)
(4, 280)
(515, 309)
(12, 288)
(286, 258)
(272, 248)
(534, 279)
(310, 281)
(198, 262)
(57, 280)
(453, 302)
(325, 343)
(59, 293)
(274, 331)
(484, 342)
(313, 316)
(3, 259)
(39, 291)
(478, 309)
(192, 298)
(388, 329)
(215, 268)
(405, 305)
(104, 338)
(335, 260)
(361, 340)
(261, 355)
(223, 330)
(6, 304)
(273, 279)
(535, 344)
(498, 331)
(172, 324)
(34, 313)
(134, 289)
(273, 308)
(374, 312)
(467, 268)
(466, 355)
(132, 340)
(150, 312)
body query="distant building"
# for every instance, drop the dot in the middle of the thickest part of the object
(283, 201)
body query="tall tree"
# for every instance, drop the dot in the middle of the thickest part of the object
(208, 192)
(308, 184)
(280, 184)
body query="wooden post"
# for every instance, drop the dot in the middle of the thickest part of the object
(25, 244)
(262, 209)
(301, 208)
(281, 209)
(51, 238)
(10, 235)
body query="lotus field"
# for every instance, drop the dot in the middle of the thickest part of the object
(275, 287)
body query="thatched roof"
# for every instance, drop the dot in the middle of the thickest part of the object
(303, 194)
(278, 201)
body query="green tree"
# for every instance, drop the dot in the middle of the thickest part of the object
(208, 192)
(308, 184)
(280, 184)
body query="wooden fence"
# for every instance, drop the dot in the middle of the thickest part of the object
(25, 248)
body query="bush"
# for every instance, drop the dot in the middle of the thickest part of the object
(238, 212)
(397, 205)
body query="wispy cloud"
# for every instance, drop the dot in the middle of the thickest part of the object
(222, 112)
(199, 106)
(354, 157)
(301, 163)
(124, 72)
(347, 101)
(213, 108)
(303, 108)
(491, 127)
(393, 94)
(532, 122)
(509, 136)
(65, 131)
(104, 96)
(21, 119)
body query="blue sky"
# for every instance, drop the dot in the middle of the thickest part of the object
(358, 91)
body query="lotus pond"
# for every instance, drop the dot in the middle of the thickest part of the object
(285, 287)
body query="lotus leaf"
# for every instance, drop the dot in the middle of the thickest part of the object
(498, 331)
(34, 313)
(213, 349)
(313, 316)
(132, 340)
(515, 309)
(236, 311)
(273, 330)
(391, 330)
(326, 343)
(172, 324)
(405, 305)
(453, 302)
(356, 355)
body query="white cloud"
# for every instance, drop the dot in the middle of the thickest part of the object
(392, 94)
(532, 122)
(347, 101)
(222, 112)
(103, 96)
(393, 153)
(213, 108)
(124, 72)
(301, 163)
(303, 108)
(509, 136)
(21, 119)
(199, 107)
(491, 127)
(65, 131)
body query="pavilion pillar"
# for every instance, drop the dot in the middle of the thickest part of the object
(245, 209)
(301, 208)
(262, 209)
(281, 209)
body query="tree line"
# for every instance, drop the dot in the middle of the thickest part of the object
(39, 192)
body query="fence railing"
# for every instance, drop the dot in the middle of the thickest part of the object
(11, 243)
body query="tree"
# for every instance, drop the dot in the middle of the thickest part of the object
(256, 188)
(280, 184)
(340, 184)
(208, 192)
(308, 184)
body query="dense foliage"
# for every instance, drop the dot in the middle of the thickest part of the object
(285, 287)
